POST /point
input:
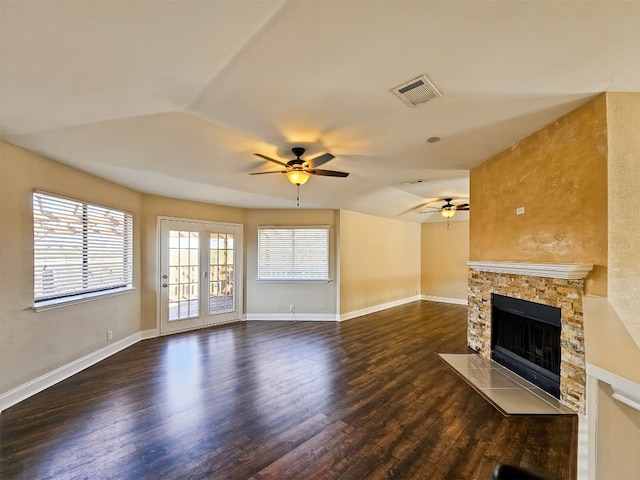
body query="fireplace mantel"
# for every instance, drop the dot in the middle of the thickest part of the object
(566, 271)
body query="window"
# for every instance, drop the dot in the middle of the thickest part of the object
(293, 253)
(79, 249)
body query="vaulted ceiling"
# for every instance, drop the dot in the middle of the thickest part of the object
(175, 97)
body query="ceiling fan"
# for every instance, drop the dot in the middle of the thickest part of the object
(298, 171)
(448, 210)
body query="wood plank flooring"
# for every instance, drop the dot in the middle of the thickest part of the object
(365, 399)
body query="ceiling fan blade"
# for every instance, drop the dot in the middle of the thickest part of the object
(431, 202)
(320, 160)
(328, 173)
(271, 159)
(263, 173)
(415, 209)
(464, 206)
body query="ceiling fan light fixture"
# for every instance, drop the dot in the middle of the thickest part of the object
(298, 177)
(448, 211)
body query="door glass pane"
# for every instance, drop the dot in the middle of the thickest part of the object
(184, 275)
(221, 273)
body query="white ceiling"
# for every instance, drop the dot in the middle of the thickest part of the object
(174, 97)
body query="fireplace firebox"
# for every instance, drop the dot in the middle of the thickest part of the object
(525, 338)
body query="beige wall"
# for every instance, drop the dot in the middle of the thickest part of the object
(275, 297)
(623, 122)
(154, 206)
(559, 175)
(444, 255)
(618, 443)
(379, 261)
(33, 344)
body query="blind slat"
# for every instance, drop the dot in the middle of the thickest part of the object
(293, 254)
(79, 247)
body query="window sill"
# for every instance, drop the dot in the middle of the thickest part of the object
(76, 299)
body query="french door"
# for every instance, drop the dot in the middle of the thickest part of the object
(200, 274)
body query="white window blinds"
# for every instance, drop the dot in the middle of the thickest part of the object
(293, 253)
(79, 248)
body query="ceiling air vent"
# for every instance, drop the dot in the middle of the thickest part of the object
(417, 91)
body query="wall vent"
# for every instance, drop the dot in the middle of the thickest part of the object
(417, 91)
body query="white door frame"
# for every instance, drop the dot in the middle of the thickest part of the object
(238, 264)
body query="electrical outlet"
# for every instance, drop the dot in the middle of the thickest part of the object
(520, 211)
(292, 308)
(109, 335)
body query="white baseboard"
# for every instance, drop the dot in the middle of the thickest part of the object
(377, 308)
(290, 317)
(151, 333)
(327, 317)
(456, 301)
(47, 380)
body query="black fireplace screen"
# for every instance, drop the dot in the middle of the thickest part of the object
(525, 337)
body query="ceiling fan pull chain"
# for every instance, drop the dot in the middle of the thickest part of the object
(298, 195)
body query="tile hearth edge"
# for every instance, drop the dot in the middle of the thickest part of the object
(509, 393)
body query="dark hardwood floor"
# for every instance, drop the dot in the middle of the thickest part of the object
(367, 398)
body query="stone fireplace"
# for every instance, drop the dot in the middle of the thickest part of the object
(555, 285)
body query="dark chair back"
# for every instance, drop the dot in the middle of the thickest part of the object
(509, 472)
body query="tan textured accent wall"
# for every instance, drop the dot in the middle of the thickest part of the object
(623, 120)
(152, 207)
(559, 175)
(444, 254)
(379, 261)
(33, 344)
(275, 297)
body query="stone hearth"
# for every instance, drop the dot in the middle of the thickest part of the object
(558, 285)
